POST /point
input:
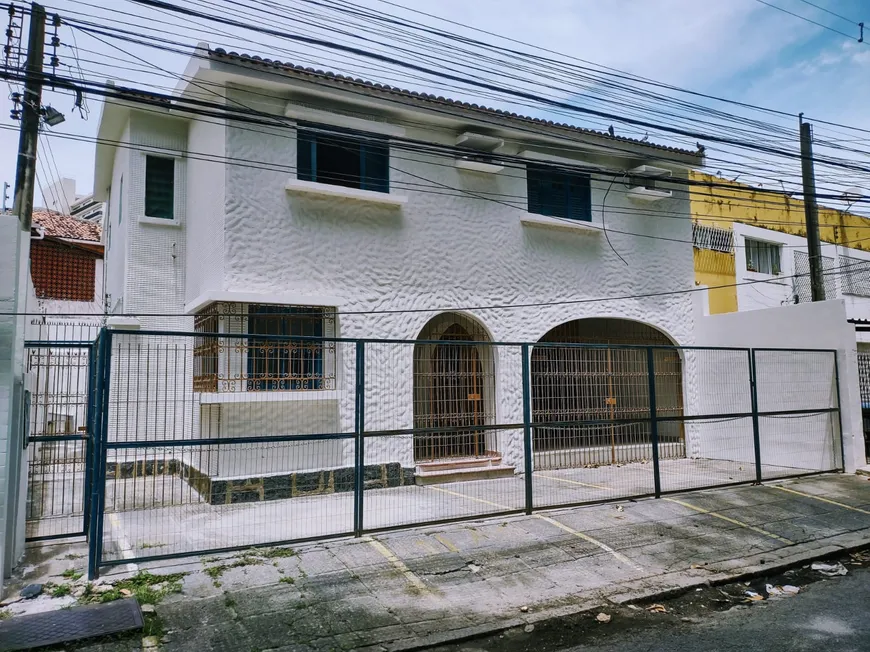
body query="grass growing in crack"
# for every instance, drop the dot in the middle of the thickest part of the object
(276, 553)
(153, 626)
(146, 587)
(214, 572)
(287, 580)
(71, 574)
(229, 602)
(146, 545)
(72, 556)
(61, 590)
(5, 614)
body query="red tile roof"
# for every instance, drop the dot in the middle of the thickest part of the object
(426, 98)
(58, 225)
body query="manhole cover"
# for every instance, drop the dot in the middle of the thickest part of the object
(67, 625)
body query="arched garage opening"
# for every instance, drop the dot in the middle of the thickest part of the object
(603, 383)
(454, 386)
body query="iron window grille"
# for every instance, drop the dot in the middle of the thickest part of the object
(558, 193)
(159, 187)
(801, 282)
(712, 238)
(348, 159)
(762, 257)
(856, 276)
(256, 364)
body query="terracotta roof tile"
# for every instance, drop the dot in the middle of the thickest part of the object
(423, 98)
(58, 225)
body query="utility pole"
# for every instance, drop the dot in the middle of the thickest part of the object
(25, 173)
(811, 212)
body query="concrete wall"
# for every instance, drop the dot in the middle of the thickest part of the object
(793, 381)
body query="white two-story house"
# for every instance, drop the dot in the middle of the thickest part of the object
(364, 211)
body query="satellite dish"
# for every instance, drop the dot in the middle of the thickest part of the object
(853, 194)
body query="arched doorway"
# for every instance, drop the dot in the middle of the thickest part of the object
(608, 384)
(453, 389)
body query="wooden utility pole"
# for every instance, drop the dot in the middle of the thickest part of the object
(25, 173)
(811, 212)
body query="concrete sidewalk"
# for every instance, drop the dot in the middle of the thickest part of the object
(421, 587)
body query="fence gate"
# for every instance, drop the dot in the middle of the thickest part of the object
(58, 438)
(864, 383)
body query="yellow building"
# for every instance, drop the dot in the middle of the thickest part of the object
(718, 204)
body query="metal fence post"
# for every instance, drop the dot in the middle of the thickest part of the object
(89, 437)
(756, 431)
(839, 411)
(101, 426)
(359, 440)
(527, 428)
(653, 420)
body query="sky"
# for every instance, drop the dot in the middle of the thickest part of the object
(739, 49)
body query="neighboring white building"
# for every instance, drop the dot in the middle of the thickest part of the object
(213, 220)
(61, 197)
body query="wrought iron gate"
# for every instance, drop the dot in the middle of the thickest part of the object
(59, 438)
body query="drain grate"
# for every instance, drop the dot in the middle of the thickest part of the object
(67, 625)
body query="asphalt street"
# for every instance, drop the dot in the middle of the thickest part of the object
(829, 614)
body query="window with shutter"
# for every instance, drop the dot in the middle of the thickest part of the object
(558, 193)
(342, 158)
(160, 187)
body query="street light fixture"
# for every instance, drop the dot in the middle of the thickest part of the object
(52, 116)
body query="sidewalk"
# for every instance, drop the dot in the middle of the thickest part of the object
(421, 587)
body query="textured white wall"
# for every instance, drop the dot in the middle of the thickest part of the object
(441, 250)
(115, 235)
(205, 208)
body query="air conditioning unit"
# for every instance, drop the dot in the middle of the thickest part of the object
(644, 183)
(479, 158)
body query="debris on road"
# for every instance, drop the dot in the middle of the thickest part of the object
(603, 617)
(752, 596)
(524, 609)
(528, 629)
(657, 609)
(831, 570)
(781, 591)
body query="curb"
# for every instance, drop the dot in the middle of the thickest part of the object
(676, 584)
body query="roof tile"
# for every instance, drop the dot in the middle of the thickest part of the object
(58, 225)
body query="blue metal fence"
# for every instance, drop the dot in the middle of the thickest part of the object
(183, 472)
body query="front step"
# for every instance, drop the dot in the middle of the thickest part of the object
(491, 459)
(462, 470)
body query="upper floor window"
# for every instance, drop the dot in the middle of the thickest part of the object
(559, 193)
(353, 161)
(159, 187)
(762, 257)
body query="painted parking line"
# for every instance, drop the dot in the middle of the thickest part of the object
(123, 541)
(447, 543)
(576, 482)
(580, 535)
(824, 500)
(467, 497)
(731, 520)
(398, 564)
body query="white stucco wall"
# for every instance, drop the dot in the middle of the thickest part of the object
(241, 232)
(205, 207)
(803, 382)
